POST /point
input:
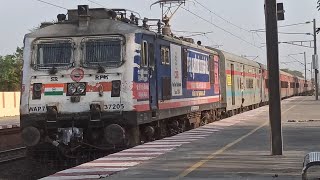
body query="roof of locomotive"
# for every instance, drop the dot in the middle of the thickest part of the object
(95, 27)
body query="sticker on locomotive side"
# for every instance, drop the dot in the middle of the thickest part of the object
(176, 73)
(101, 77)
(198, 93)
(143, 75)
(195, 108)
(54, 78)
(53, 89)
(229, 80)
(37, 109)
(114, 106)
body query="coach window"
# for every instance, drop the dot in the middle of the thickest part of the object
(249, 83)
(144, 54)
(165, 55)
(284, 84)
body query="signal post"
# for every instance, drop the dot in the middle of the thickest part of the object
(274, 74)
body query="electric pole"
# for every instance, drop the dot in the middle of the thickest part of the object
(311, 73)
(273, 72)
(315, 64)
(305, 68)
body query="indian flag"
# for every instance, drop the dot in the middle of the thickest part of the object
(53, 89)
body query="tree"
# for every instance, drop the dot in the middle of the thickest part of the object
(11, 71)
(294, 72)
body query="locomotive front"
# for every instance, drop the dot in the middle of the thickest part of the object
(77, 81)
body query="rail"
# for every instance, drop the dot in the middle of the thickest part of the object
(8, 131)
(12, 154)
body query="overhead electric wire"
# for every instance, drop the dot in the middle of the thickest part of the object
(221, 17)
(294, 67)
(191, 32)
(213, 43)
(199, 34)
(221, 28)
(94, 2)
(296, 24)
(52, 4)
(292, 33)
(296, 59)
(224, 19)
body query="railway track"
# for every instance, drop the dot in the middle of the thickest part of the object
(9, 131)
(12, 154)
(11, 145)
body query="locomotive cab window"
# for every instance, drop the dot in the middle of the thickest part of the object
(53, 53)
(103, 52)
(165, 58)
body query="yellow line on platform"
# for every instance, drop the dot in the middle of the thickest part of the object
(222, 150)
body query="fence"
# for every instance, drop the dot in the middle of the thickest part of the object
(9, 103)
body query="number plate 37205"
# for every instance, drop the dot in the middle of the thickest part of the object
(114, 106)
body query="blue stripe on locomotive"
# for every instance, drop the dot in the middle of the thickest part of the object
(164, 70)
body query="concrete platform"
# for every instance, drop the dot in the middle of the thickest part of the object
(8, 122)
(234, 148)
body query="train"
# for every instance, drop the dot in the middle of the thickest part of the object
(97, 79)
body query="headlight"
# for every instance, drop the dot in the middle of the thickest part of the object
(72, 89)
(76, 89)
(116, 84)
(81, 88)
(36, 93)
(37, 86)
(116, 88)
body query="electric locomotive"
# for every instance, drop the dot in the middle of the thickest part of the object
(96, 78)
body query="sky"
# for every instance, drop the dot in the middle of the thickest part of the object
(229, 22)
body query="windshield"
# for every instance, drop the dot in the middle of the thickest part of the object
(103, 52)
(54, 54)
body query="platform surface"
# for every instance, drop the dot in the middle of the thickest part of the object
(9, 121)
(234, 148)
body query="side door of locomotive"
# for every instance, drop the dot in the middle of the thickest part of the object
(149, 44)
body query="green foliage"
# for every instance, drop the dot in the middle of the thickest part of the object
(11, 71)
(294, 72)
